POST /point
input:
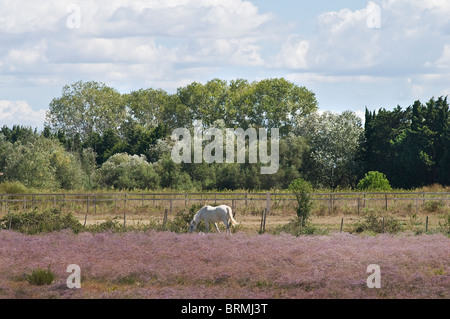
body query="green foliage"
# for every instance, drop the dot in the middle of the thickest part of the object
(375, 223)
(13, 188)
(334, 142)
(123, 171)
(297, 229)
(40, 277)
(41, 164)
(35, 222)
(110, 225)
(434, 206)
(182, 220)
(445, 225)
(303, 192)
(374, 181)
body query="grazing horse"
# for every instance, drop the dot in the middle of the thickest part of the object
(209, 214)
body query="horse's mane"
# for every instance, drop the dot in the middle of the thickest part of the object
(199, 214)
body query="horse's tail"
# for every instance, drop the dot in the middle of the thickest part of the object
(230, 215)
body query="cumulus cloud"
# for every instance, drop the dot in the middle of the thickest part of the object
(20, 113)
(346, 41)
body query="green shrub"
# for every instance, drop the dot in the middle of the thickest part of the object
(296, 228)
(180, 224)
(13, 188)
(374, 181)
(445, 225)
(35, 222)
(112, 225)
(434, 206)
(303, 192)
(372, 222)
(40, 277)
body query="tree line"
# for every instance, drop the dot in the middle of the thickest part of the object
(96, 137)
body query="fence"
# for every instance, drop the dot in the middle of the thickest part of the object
(330, 201)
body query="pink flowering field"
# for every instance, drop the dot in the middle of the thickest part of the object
(168, 265)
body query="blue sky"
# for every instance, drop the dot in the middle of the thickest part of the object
(351, 54)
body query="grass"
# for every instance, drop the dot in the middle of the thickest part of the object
(40, 277)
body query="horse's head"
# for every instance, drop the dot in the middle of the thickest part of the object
(192, 226)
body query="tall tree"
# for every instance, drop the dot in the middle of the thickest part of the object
(86, 107)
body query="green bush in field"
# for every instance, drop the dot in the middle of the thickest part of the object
(374, 181)
(35, 222)
(13, 188)
(303, 192)
(372, 222)
(180, 224)
(112, 225)
(40, 277)
(434, 206)
(297, 229)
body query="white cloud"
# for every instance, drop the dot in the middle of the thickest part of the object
(411, 34)
(20, 113)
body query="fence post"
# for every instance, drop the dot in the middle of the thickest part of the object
(383, 226)
(263, 221)
(426, 225)
(267, 203)
(85, 219)
(358, 205)
(342, 224)
(87, 204)
(124, 220)
(385, 196)
(165, 217)
(246, 199)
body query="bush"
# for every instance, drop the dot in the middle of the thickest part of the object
(13, 188)
(180, 224)
(434, 206)
(40, 277)
(112, 225)
(303, 192)
(297, 229)
(374, 223)
(374, 181)
(123, 171)
(35, 222)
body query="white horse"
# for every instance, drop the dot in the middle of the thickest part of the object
(209, 214)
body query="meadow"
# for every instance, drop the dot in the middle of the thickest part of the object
(168, 265)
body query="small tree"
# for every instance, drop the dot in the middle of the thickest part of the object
(303, 192)
(374, 181)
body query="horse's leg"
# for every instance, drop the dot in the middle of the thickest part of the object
(207, 227)
(217, 227)
(227, 225)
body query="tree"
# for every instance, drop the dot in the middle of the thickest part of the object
(374, 181)
(84, 108)
(123, 171)
(333, 141)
